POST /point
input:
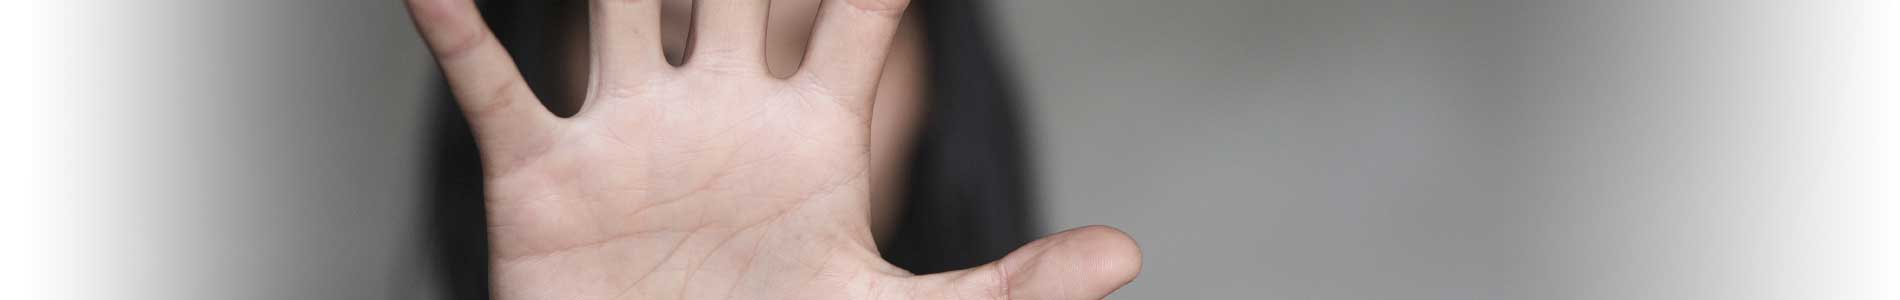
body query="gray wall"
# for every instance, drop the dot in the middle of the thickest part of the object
(1368, 149)
(1285, 149)
(1297, 149)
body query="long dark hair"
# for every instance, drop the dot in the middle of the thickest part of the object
(967, 199)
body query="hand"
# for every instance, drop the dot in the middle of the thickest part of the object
(713, 180)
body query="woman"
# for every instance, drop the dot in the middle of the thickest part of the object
(713, 159)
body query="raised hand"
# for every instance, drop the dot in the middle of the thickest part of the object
(714, 179)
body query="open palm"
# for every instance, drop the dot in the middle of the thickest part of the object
(714, 179)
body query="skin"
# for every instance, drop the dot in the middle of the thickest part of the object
(900, 91)
(714, 178)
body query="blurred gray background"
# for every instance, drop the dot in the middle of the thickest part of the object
(1257, 149)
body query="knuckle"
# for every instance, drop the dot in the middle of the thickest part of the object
(443, 24)
(499, 99)
(464, 45)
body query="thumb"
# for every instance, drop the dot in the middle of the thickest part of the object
(1082, 263)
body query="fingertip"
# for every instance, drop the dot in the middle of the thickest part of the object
(1109, 254)
(1083, 263)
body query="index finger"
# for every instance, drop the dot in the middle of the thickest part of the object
(490, 90)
